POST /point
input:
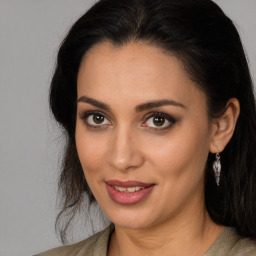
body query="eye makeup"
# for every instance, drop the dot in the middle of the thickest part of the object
(95, 119)
(157, 121)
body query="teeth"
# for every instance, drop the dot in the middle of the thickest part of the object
(131, 190)
(128, 190)
(120, 189)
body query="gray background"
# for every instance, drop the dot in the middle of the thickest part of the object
(30, 32)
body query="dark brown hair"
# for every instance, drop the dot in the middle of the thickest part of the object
(208, 44)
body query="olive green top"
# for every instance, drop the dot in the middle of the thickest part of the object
(229, 243)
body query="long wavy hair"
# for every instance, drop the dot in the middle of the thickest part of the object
(208, 44)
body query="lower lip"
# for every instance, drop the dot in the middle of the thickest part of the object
(128, 198)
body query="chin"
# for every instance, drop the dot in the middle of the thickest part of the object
(131, 219)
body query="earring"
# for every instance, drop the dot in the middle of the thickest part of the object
(217, 169)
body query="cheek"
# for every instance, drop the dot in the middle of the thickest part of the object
(90, 151)
(183, 151)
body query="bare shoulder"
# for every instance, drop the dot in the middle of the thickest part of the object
(94, 244)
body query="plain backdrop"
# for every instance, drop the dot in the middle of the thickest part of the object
(30, 144)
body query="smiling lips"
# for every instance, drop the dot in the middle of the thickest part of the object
(128, 192)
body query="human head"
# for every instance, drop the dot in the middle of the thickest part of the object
(199, 34)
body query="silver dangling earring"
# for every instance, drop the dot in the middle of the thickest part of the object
(217, 169)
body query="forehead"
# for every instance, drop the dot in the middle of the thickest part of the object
(136, 70)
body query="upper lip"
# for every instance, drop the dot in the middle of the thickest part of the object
(128, 183)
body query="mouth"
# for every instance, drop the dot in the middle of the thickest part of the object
(129, 189)
(128, 192)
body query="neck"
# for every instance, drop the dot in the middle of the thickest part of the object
(178, 237)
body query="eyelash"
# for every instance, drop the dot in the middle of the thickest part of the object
(86, 115)
(167, 117)
(170, 119)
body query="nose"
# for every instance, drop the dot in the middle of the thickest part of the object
(124, 151)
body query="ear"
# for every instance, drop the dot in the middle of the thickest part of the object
(224, 126)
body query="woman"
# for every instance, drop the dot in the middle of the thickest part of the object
(157, 102)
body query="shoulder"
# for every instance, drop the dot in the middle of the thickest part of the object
(229, 243)
(244, 246)
(92, 246)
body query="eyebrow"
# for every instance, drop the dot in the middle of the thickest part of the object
(158, 103)
(94, 103)
(139, 108)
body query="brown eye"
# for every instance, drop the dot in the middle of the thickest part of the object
(158, 120)
(98, 119)
(95, 120)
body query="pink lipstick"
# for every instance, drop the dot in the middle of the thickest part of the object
(128, 192)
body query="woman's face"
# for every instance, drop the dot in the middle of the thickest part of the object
(142, 134)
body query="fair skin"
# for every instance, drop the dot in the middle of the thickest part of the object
(119, 136)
